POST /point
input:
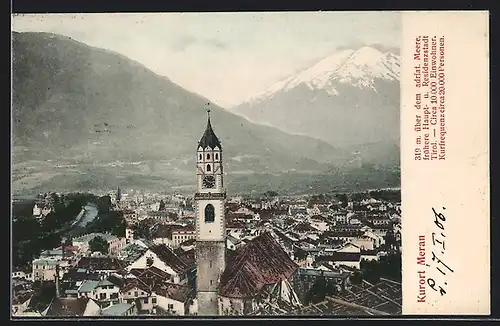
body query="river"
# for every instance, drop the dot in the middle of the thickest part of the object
(88, 213)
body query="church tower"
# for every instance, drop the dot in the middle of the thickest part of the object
(210, 222)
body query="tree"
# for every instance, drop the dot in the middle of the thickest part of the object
(318, 291)
(344, 200)
(99, 244)
(162, 205)
(142, 230)
(270, 193)
(390, 266)
(104, 203)
(390, 239)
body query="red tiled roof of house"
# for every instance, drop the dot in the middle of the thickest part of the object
(68, 249)
(101, 263)
(234, 225)
(243, 216)
(170, 258)
(184, 229)
(334, 234)
(150, 272)
(188, 257)
(132, 283)
(68, 307)
(189, 242)
(176, 292)
(320, 218)
(260, 262)
(165, 230)
(303, 227)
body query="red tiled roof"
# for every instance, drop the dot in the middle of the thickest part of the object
(176, 292)
(188, 257)
(101, 263)
(132, 283)
(68, 249)
(148, 278)
(68, 307)
(189, 242)
(303, 227)
(165, 231)
(20, 297)
(150, 272)
(170, 258)
(234, 225)
(260, 262)
(184, 229)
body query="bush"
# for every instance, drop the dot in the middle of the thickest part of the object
(99, 244)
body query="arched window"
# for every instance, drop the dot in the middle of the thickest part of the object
(208, 168)
(201, 157)
(216, 156)
(209, 213)
(208, 156)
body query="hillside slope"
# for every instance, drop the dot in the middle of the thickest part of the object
(85, 118)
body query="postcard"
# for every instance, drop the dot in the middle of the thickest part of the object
(263, 164)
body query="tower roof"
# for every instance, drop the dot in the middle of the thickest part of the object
(209, 139)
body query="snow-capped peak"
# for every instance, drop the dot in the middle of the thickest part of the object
(358, 68)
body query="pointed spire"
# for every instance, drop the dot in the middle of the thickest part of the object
(209, 139)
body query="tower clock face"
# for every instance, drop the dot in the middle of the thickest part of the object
(209, 181)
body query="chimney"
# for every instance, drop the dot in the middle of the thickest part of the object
(57, 281)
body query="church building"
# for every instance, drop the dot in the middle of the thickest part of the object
(255, 274)
(210, 222)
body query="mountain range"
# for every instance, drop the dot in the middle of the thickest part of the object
(349, 99)
(85, 118)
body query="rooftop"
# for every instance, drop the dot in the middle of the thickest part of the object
(165, 230)
(340, 256)
(45, 262)
(101, 263)
(260, 262)
(151, 275)
(176, 292)
(88, 286)
(118, 309)
(177, 263)
(68, 307)
(209, 139)
(88, 237)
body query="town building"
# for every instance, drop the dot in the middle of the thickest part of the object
(210, 221)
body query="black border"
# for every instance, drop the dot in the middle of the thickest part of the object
(38, 6)
(61, 6)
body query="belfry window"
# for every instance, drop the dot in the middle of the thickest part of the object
(209, 213)
(216, 156)
(209, 168)
(201, 157)
(208, 156)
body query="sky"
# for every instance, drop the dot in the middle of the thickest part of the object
(225, 57)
